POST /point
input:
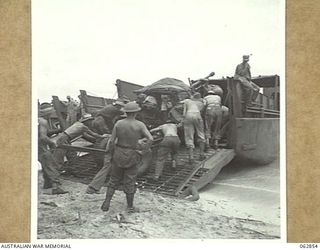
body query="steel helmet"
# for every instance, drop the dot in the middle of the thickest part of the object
(131, 107)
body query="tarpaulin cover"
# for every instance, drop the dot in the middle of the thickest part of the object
(165, 85)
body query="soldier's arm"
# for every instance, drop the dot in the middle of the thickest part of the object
(89, 132)
(112, 139)
(156, 129)
(145, 133)
(184, 108)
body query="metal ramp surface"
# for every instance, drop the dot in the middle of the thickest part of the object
(173, 182)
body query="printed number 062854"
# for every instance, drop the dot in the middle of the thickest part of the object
(308, 245)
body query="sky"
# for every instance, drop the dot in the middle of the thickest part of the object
(88, 44)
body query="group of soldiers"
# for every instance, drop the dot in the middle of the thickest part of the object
(129, 137)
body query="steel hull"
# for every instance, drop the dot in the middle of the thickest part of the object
(256, 139)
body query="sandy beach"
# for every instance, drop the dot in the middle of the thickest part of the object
(78, 216)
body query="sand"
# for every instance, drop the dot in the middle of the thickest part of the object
(78, 216)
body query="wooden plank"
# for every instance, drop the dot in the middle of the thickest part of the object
(256, 109)
(220, 157)
(82, 149)
(259, 108)
(274, 115)
(214, 164)
(185, 182)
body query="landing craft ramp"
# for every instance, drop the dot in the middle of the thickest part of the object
(173, 182)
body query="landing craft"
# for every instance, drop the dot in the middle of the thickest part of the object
(250, 134)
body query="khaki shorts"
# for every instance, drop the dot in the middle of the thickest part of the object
(193, 123)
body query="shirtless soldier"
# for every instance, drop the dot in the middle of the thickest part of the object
(123, 144)
(79, 128)
(213, 115)
(169, 144)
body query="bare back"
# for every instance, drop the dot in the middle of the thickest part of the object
(169, 129)
(43, 139)
(43, 128)
(192, 106)
(129, 131)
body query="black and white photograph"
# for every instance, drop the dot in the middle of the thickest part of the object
(158, 119)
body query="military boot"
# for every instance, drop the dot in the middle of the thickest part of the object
(191, 159)
(56, 189)
(254, 95)
(215, 144)
(207, 145)
(59, 190)
(106, 204)
(249, 100)
(47, 184)
(158, 170)
(202, 147)
(174, 161)
(130, 207)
